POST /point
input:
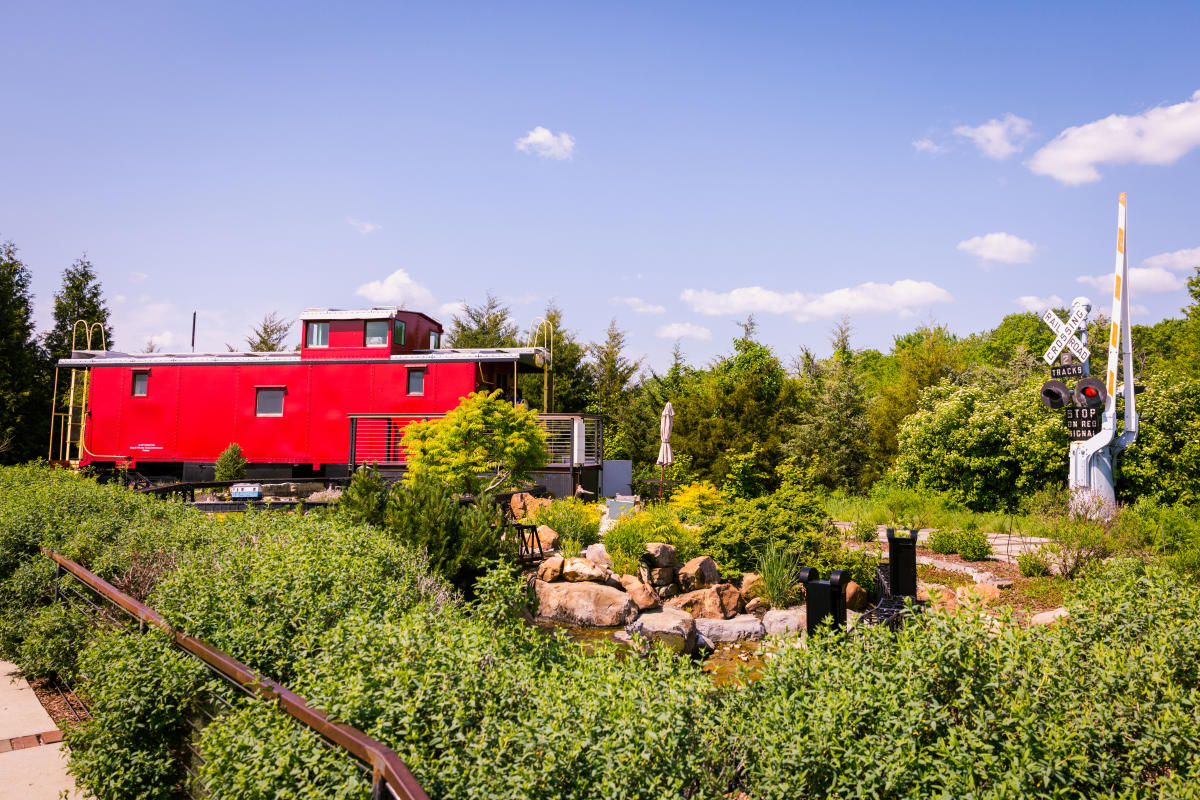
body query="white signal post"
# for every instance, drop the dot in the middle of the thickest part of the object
(1092, 460)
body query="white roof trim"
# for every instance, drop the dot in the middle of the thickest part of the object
(323, 314)
(101, 358)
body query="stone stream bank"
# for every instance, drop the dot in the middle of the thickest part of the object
(683, 606)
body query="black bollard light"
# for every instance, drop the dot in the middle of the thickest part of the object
(902, 564)
(824, 600)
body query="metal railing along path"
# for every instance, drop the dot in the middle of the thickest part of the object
(388, 771)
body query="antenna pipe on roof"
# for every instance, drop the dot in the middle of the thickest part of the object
(193, 331)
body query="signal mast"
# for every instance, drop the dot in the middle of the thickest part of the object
(1091, 408)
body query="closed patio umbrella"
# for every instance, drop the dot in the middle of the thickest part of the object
(665, 457)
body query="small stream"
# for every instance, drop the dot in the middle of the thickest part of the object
(729, 663)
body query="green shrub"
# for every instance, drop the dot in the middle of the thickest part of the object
(231, 464)
(780, 572)
(460, 539)
(1076, 543)
(573, 520)
(1032, 564)
(695, 501)
(974, 545)
(52, 641)
(256, 752)
(140, 691)
(863, 531)
(363, 501)
(943, 541)
(657, 522)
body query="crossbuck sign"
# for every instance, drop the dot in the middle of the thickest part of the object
(1066, 334)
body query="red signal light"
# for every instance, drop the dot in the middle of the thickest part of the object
(1089, 391)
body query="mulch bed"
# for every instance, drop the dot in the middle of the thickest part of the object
(65, 709)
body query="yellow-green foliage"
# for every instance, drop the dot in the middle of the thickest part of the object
(696, 500)
(485, 443)
(657, 522)
(573, 520)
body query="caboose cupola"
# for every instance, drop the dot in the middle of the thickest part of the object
(378, 332)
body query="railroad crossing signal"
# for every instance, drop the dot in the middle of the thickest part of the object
(1066, 333)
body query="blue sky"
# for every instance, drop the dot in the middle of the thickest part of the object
(673, 165)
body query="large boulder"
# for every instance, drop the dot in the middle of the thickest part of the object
(1049, 617)
(856, 597)
(699, 573)
(656, 576)
(547, 537)
(643, 596)
(743, 627)
(752, 586)
(715, 602)
(785, 622)
(550, 569)
(590, 604)
(669, 626)
(666, 592)
(756, 604)
(524, 505)
(659, 555)
(582, 569)
(598, 554)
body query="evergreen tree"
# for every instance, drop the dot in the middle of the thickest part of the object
(80, 298)
(572, 381)
(269, 335)
(834, 427)
(24, 385)
(489, 324)
(611, 372)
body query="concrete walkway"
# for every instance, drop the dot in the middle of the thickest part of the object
(33, 760)
(1005, 546)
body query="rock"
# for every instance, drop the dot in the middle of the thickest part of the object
(699, 573)
(628, 580)
(756, 605)
(941, 598)
(643, 596)
(547, 537)
(980, 592)
(752, 585)
(730, 599)
(585, 603)
(659, 554)
(785, 622)
(666, 592)
(614, 580)
(669, 626)
(715, 602)
(582, 569)
(597, 554)
(622, 637)
(550, 569)
(656, 576)
(1002, 583)
(856, 596)
(1049, 617)
(743, 627)
(523, 504)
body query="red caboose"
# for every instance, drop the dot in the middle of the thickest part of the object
(343, 399)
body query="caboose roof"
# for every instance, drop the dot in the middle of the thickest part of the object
(109, 358)
(378, 312)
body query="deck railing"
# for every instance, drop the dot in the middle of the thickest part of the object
(388, 772)
(573, 439)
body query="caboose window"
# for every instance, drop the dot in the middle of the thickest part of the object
(141, 384)
(435, 340)
(376, 335)
(416, 381)
(268, 401)
(318, 334)
(399, 337)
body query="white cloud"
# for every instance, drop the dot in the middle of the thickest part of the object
(541, 142)
(639, 305)
(138, 277)
(927, 145)
(1030, 302)
(162, 341)
(1159, 136)
(1179, 260)
(363, 227)
(902, 297)
(1002, 247)
(448, 311)
(1141, 279)
(398, 288)
(997, 138)
(683, 330)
